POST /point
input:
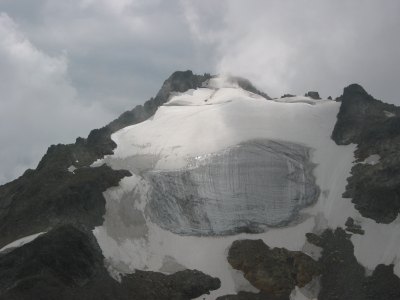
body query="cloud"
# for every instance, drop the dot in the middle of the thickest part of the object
(295, 46)
(38, 105)
(119, 52)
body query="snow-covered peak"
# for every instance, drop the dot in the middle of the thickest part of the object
(223, 89)
(211, 96)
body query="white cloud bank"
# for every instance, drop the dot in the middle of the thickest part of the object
(299, 45)
(38, 105)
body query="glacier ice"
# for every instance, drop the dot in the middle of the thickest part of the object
(244, 188)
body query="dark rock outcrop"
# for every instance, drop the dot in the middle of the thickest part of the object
(375, 127)
(287, 96)
(250, 296)
(344, 278)
(248, 86)
(40, 200)
(275, 272)
(382, 284)
(352, 227)
(362, 118)
(340, 269)
(67, 263)
(313, 95)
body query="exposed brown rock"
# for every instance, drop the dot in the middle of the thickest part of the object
(274, 272)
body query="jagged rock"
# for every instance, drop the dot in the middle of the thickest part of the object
(187, 284)
(287, 96)
(275, 272)
(248, 86)
(340, 269)
(313, 95)
(383, 284)
(352, 227)
(67, 263)
(375, 127)
(251, 296)
(344, 278)
(360, 115)
(40, 200)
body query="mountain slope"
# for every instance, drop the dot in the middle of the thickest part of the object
(171, 185)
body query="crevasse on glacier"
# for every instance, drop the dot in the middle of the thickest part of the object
(244, 188)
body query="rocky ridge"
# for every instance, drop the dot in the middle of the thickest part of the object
(375, 127)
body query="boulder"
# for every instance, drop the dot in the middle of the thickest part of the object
(313, 95)
(275, 272)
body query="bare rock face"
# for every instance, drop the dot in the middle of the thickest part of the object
(287, 95)
(67, 263)
(275, 272)
(342, 277)
(360, 115)
(312, 94)
(375, 127)
(250, 296)
(244, 188)
(48, 197)
(352, 227)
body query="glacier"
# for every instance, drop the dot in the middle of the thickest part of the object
(244, 188)
(212, 125)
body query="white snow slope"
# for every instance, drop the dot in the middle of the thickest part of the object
(207, 120)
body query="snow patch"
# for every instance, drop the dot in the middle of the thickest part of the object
(22, 241)
(389, 114)
(71, 169)
(372, 159)
(380, 244)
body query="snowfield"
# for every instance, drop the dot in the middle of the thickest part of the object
(201, 122)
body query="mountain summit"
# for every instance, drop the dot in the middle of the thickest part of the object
(213, 189)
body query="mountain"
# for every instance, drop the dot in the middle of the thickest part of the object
(212, 189)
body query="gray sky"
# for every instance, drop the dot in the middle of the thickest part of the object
(70, 66)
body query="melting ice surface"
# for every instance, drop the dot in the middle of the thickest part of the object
(243, 188)
(202, 146)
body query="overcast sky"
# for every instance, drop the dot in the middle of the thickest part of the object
(68, 66)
